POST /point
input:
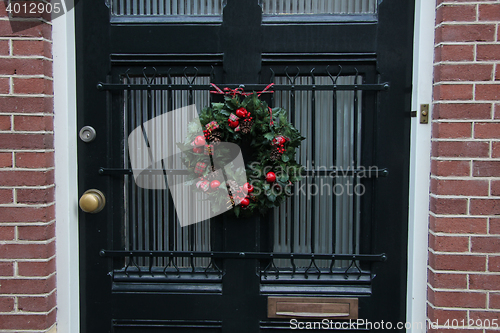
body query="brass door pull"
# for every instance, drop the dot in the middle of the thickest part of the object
(92, 201)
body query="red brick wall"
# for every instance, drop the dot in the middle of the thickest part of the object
(27, 243)
(464, 236)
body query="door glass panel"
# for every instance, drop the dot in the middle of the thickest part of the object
(167, 7)
(151, 222)
(319, 218)
(311, 7)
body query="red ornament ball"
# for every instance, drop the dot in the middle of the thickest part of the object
(271, 177)
(241, 112)
(233, 124)
(198, 150)
(245, 202)
(214, 184)
(199, 141)
(281, 140)
(248, 187)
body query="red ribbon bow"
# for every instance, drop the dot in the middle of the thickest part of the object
(240, 91)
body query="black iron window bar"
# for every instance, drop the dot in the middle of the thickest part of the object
(271, 268)
(149, 85)
(358, 172)
(269, 257)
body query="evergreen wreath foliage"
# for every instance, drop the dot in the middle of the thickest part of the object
(268, 142)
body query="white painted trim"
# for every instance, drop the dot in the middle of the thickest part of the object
(420, 152)
(65, 134)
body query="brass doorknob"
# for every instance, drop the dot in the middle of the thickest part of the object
(92, 201)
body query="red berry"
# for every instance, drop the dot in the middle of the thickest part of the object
(271, 177)
(199, 141)
(214, 184)
(248, 187)
(198, 150)
(241, 112)
(245, 202)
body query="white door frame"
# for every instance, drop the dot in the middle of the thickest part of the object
(66, 172)
(65, 130)
(420, 160)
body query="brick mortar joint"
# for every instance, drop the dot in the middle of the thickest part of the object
(22, 260)
(34, 114)
(25, 95)
(31, 313)
(464, 139)
(25, 57)
(458, 196)
(26, 19)
(470, 2)
(49, 241)
(462, 83)
(26, 224)
(15, 131)
(465, 159)
(33, 187)
(468, 121)
(464, 23)
(441, 63)
(29, 278)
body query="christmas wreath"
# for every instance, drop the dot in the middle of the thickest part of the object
(268, 142)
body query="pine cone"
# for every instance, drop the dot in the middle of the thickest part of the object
(275, 155)
(246, 126)
(213, 175)
(215, 136)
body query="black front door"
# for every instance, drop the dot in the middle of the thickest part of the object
(342, 69)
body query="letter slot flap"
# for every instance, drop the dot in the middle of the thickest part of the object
(313, 307)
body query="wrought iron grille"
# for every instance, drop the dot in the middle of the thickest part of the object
(312, 7)
(312, 236)
(215, 7)
(320, 221)
(156, 207)
(166, 7)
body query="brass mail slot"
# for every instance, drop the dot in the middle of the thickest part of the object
(312, 307)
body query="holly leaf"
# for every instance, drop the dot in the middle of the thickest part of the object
(283, 178)
(272, 197)
(269, 136)
(217, 106)
(285, 158)
(237, 211)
